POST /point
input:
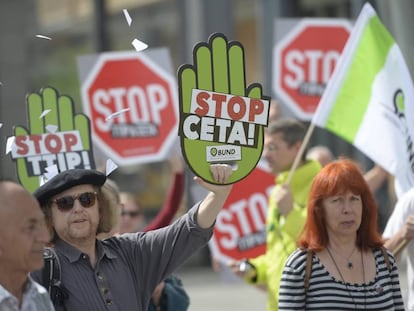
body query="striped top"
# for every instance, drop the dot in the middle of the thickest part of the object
(327, 293)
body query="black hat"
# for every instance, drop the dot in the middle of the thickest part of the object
(68, 179)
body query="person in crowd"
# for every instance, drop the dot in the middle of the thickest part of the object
(320, 153)
(23, 235)
(169, 295)
(341, 263)
(275, 111)
(120, 272)
(399, 233)
(132, 214)
(376, 177)
(381, 184)
(287, 206)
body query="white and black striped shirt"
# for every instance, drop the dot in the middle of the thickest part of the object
(327, 293)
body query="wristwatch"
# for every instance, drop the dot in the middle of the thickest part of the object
(248, 269)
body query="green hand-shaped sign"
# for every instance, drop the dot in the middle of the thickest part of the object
(56, 136)
(221, 120)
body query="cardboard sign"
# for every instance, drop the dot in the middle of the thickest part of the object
(240, 230)
(131, 99)
(221, 121)
(57, 136)
(305, 55)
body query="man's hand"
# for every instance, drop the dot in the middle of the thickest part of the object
(157, 293)
(234, 266)
(399, 240)
(408, 228)
(220, 174)
(284, 199)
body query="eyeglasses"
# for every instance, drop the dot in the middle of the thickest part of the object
(86, 199)
(270, 148)
(131, 214)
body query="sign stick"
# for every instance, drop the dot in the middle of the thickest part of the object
(300, 152)
(400, 247)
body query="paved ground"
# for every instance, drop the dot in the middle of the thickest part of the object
(209, 291)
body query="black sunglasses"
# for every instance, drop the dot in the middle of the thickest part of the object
(131, 214)
(86, 199)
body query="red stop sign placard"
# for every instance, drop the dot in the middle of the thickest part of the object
(304, 61)
(240, 230)
(132, 104)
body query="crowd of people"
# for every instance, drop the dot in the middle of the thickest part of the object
(289, 224)
(325, 248)
(286, 211)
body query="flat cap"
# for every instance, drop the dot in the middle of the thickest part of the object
(68, 179)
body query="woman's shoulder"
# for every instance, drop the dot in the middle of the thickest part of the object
(297, 259)
(383, 256)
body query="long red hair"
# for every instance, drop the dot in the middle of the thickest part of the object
(338, 178)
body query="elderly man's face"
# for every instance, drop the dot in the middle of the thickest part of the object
(23, 232)
(78, 223)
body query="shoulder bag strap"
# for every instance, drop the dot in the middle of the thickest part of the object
(308, 271)
(386, 258)
(47, 272)
(52, 278)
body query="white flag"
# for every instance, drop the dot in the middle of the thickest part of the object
(369, 100)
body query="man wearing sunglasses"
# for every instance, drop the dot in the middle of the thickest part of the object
(119, 273)
(23, 235)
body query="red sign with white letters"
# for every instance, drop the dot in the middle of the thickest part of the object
(132, 104)
(304, 60)
(240, 230)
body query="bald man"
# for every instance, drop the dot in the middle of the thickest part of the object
(23, 236)
(320, 153)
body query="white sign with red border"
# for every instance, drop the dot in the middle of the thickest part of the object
(240, 229)
(304, 57)
(131, 99)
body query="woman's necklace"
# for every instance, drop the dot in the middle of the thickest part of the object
(350, 264)
(343, 280)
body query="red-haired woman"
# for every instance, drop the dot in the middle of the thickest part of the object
(348, 268)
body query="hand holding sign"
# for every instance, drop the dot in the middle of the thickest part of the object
(221, 120)
(221, 173)
(37, 148)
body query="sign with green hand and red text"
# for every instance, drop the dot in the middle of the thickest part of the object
(221, 120)
(56, 136)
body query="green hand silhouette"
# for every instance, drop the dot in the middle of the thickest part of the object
(61, 115)
(218, 67)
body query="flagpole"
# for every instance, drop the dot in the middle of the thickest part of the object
(300, 152)
(400, 247)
